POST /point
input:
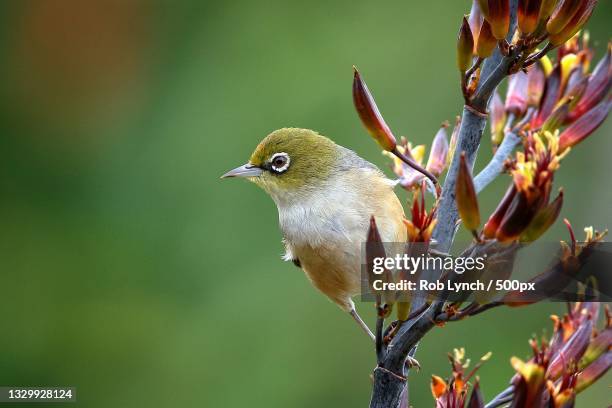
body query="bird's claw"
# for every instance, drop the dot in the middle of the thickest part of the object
(412, 362)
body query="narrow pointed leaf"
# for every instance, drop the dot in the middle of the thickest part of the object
(370, 115)
(467, 203)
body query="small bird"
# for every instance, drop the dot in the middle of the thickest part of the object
(325, 195)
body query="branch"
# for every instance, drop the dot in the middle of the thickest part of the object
(380, 322)
(496, 165)
(389, 375)
(494, 70)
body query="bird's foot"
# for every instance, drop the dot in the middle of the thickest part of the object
(412, 362)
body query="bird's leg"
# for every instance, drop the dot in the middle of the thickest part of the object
(412, 362)
(362, 324)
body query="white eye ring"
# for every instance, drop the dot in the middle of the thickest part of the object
(283, 167)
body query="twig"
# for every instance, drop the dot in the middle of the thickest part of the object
(415, 165)
(380, 323)
(533, 58)
(496, 165)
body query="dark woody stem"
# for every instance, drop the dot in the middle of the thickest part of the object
(533, 58)
(390, 385)
(380, 323)
(415, 165)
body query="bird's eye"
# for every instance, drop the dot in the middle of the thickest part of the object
(280, 162)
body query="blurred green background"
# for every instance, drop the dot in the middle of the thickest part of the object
(130, 271)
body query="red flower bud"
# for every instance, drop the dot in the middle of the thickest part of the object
(562, 14)
(485, 42)
(476, 399)
(583, 127)
(375, 249)
(520, 213)
(529, 384)
(543, 220)
(483, 6)
(516, 96)
(498, 119)
(475, 20)
(437, 155)
(597, 347)
(467, 203)
(572, 351)
(556, 119)
(577, 21)
(546, 9)
(528, 13)
(551, 96)
(370, 115)
(499, 18)
(453, 141)
(594, 371)
(490, 228)
(535, 87)
(598, 87)
(465, 46)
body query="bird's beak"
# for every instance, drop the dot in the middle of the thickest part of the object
(247, 170)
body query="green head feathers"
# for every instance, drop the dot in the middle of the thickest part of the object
(292, 158)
